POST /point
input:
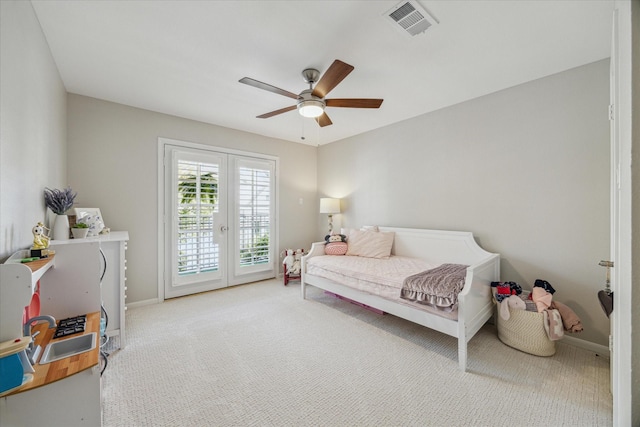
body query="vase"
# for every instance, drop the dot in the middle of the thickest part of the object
(79, 233)
(61, 228)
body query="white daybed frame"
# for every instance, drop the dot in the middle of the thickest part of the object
(474, 301)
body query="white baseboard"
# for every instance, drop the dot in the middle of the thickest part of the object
(137, 304)
(600, 350)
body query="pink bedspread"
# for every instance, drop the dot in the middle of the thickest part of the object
(381, 277)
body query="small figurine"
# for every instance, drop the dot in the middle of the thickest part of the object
(40, 238)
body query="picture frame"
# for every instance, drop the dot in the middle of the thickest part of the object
(80, 212)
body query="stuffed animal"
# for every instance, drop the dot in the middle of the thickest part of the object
(336, 244)
(296, 267)
(288, 259)
(512, 301)
(331, 238)
(94, 223)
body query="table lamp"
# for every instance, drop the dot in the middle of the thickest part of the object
(330, 206)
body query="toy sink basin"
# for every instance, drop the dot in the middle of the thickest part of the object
(70, 347)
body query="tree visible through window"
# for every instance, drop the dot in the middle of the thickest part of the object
(197, 203)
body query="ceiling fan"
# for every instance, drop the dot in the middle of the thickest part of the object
(311, 102)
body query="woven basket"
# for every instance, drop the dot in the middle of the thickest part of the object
(525, 331)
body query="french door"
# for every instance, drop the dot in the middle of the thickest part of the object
(219, 219)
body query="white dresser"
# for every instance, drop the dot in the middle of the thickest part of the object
(113, 288)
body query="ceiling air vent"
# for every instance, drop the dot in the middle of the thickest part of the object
(410, 18)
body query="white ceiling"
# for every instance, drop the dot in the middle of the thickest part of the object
(185, 57)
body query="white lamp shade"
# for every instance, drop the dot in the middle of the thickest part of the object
(329, 206)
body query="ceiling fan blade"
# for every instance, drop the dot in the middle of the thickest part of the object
(334, 75)
(324, 120)
(265, 86)
(276, 112)
(354, 102)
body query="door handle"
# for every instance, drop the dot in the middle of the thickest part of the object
(223, 228)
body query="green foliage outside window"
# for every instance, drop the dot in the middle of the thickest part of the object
(187, 188)
(258, 254)
(195, 218)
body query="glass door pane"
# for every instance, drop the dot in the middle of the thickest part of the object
(197, 222)
(196, 205)
(254, 207)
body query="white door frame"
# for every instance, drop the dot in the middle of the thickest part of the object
(621, 360)
(162, 142)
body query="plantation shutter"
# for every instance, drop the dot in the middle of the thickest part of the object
(196, 205)
(254, 183)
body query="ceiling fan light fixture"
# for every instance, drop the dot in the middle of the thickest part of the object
(311, 102)
(311, 108)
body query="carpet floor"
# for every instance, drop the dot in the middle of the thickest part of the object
(259, 355)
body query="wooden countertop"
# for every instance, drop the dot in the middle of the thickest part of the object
(37, 265)
(60, 369)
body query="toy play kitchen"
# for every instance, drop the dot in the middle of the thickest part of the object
(50, 329)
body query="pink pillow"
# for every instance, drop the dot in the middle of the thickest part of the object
(335, 248)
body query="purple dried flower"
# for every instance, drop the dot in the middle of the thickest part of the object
(59, 201)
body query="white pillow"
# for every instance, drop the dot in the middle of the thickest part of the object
(370, 244)
(347, 231)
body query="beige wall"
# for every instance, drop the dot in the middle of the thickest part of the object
(32, 125)
(525, 169)
(112, 163)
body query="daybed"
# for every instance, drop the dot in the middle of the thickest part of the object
(433, 247)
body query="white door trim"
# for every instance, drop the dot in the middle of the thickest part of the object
(621, 216)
